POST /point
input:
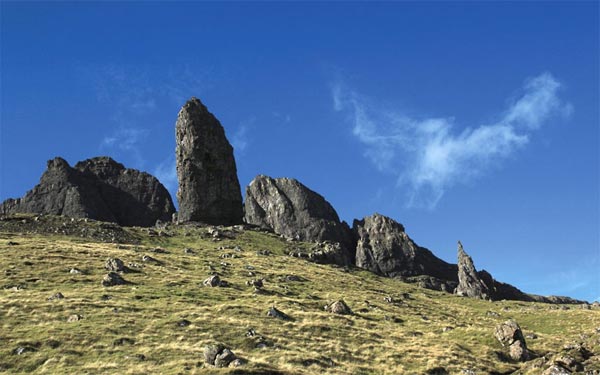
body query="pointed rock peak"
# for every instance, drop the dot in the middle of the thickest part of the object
(99, 164)
(469, 281)
(194, 105)
(57, 163)
(381, 221)
(462, 253)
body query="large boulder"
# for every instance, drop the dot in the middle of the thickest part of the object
(289, 208)
(97, 188)
(209, 190)
(384, 248)
(469, 282)
(510, 335)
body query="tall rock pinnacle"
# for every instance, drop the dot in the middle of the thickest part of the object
(469, 281)
(209, 190)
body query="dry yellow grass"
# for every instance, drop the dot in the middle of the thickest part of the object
(422, 331)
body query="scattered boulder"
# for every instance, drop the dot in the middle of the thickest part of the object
(75, 271)
(98, 188)
(258, 283)
(556, 370)
(219, 356)
(112, 279)
(213, 281)
(224, 358)
(509, 334)
(74, 318)
(276, 313)
(209, 190)
(469, 283)
(24, 349)
(339, 307)
(149, 259)
(291, 209)
(115, 265)
(58, 295)
(123, 341)
(211, 351)
(292, 278)
(384, 247)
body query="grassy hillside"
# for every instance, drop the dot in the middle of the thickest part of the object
(141, 327)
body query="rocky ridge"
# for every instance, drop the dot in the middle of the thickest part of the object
(209, 192)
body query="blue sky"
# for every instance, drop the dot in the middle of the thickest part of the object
(471, 121)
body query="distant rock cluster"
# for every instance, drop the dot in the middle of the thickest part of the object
(209, 192)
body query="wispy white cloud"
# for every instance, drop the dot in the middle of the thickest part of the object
(241, 137)
(428, 155)
(166, 172)
(283, 118)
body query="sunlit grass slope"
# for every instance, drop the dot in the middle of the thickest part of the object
(139, 328)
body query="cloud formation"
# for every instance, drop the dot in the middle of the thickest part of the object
(428, 156)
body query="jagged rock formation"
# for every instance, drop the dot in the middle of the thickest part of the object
(481, 284)
(209, 190)
(384, 248)
(287, 207)
(97, 188)
(469, 283)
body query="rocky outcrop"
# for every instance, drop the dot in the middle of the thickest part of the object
(469, 282)
(97, 188)
(289, 208)
(384, 248)
(209, 190)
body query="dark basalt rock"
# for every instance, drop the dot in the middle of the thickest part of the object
(209, 190)
(289, 208)
(97, 188)
(384, 248)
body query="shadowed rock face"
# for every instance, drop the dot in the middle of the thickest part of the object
(97, 188)
(384, 248)
(209, 190)
(287, 207)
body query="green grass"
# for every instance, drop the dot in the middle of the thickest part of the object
(408, 336)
